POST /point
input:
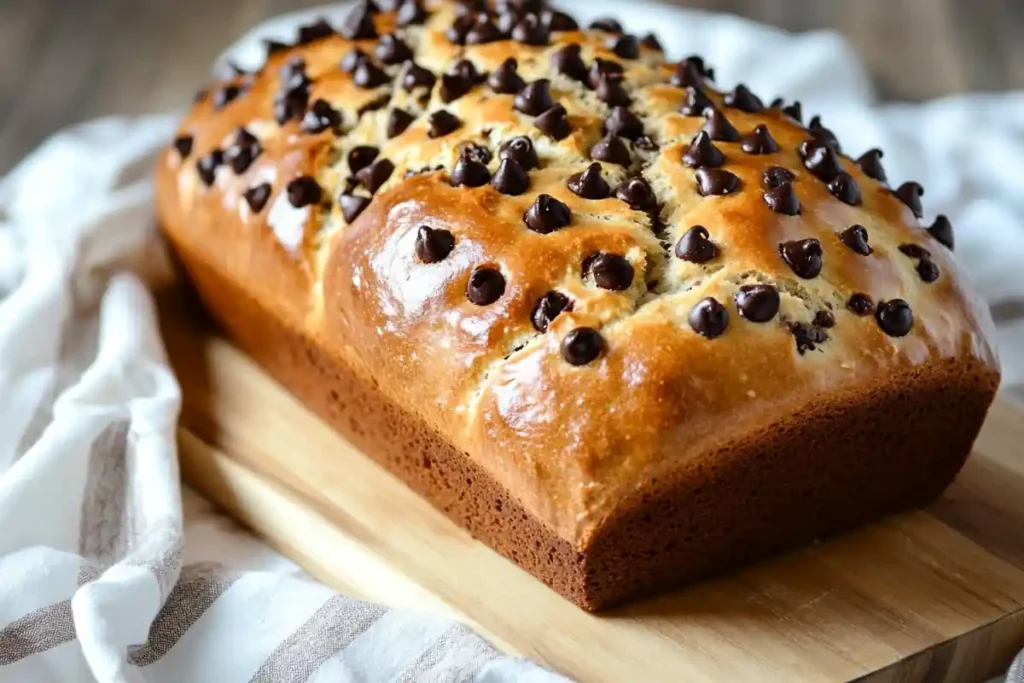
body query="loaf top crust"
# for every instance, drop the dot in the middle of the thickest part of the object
(587, 267)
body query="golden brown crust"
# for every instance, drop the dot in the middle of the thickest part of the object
(570, 443)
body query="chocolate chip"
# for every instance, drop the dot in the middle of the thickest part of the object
(741, 98)
(716, 181)
(719, 127)
(547, 308)
(696, 246)
(612, 149)
(554, 122)
(783, 199)
(610, 271)
(477, 153)
(928, 270)
(530, 31)
(535, 98)
(603, 67)
(708, 318)
(589, 184)
(807, 336)
(637, 193)
(794, 111)
(392, 50)
(651, 41)
(256, 197)
(291, 103)
(369, 75)
(358, 25)
(379, 102)
(757, 303)
(568, 62)
(774, 176)
(691, 71)
(320, 117)
(914, 251)
(803, 256)
(183, 145)
(483, 31)
(606, 24)
(844, 188)
(644, 143)
(442, 123)
(459, 80)
(486, 285)
(511, 178)
(894, 317)
(303, 191)
(821, 160)
(417, 77)
(824, 319)
(350, 61)
(702, 152)
(546, 215)
(275, 46)
(582, 345)
(398, 121)
(375, 175)
(695, 102)
(871, 163)
(611, 91)
(856, 238)
(433, 245)
(240, 155)
(506, 79)
(223, 96)
(410, 12)
(626, 46)
(360, 157)
(293, 72)
(759, 141)
(823, 134)
(558, 21)
(860, 304)
(315, 31)
(207, 166)
(521, 150)
(352, 205)
(621, 121)
(470, 173)
(910, 194)
(942, 230)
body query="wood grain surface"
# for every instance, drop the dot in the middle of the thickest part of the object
(69, 60)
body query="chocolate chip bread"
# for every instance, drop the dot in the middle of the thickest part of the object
(625, 327)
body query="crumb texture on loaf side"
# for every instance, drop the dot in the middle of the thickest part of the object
(588, 267)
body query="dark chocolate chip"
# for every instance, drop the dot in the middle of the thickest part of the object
(548, 308)
(610, 271)
(823, 134)
(256, 197)
(511, 178)
(856, 238)
(350, 61)
(320, 117)
(358, 25)
(554, 122)
(582, 345)
(290, 103)
(860, 304)
(558, 21)
(803, 256)
(546, 215)
(506, 79)
(895, 317)
(223, 96)
(433, 245)
(690, 72)
(871, 163)
(708, 318)
(783, 199)
(702, 152)
(531, 31)
(303, 191)
(603, 67)
(626, 46)
(716, 181)
(392, 50)
(651, 41)
(644, 143)
(398, 121)
(741, 98)
(757, 303)
(824, 319)
(410, 12)
(696, 246)
(621, 121)
(275, 46)
(611, 91)
(315, 31)
(379, 102)
(375, 175)
(459, 80)
(794, 111)
(293, 72)
(207, 166)
(914, 251)
(183, 145)
(719, 127)
(589, 184)
(607, 24)
(844, 188)
(776, 175)
(369, 75)
(821, 160)
(360, 157)
(567, 61)
(928, 270)
(417, 77)
(695, 103)
(807, 337)
(477, 153)
(352, 205)
(459, 29)
(759, 141)
(637, 193)
(942, 230)
(611, 149)
(243, 151)
(910, 194)
(521, 150)
(442, 123)
(486, 285)
(483, 31)
(535, 98)
(470, 173)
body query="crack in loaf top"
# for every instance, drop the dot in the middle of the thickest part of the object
(572, 245)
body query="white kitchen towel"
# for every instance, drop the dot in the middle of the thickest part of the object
(92, 580)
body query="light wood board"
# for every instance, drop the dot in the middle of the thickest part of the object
(932, 595)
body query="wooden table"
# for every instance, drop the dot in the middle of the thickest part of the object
(68, 60)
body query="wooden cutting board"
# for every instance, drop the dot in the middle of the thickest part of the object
(932, 595)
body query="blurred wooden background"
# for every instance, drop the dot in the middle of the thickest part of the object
(68, 60)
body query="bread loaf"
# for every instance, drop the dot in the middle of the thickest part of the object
(625, 326)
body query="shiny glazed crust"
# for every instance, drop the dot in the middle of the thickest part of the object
(682, 446)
